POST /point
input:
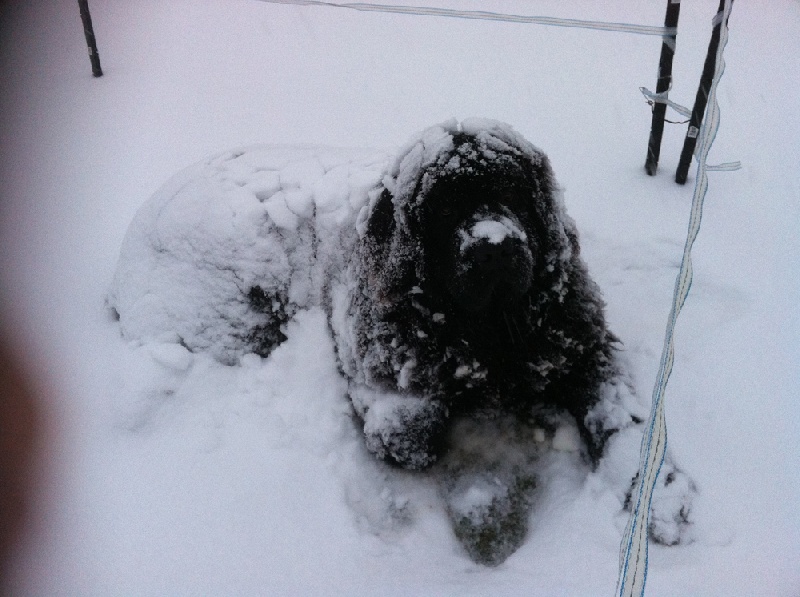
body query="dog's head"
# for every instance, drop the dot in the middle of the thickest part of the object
(474, 231)
(471, 215)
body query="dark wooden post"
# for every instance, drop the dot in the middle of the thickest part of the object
(88, 30)
(701, 100)
(662, 85)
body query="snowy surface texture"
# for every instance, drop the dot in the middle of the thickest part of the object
(166, 472)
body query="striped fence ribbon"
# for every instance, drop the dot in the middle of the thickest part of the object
(633, 549)
(661, 98)
(487, 16)
(726, 167)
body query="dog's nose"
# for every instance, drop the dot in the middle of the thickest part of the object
(497, 234)
(491, 254)
(495, 264)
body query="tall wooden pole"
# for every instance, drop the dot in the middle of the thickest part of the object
(88, 31)
(662, 85)
(701, 100)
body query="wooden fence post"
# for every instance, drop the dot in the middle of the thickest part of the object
(88, 31)
(701, 100)
(662, 85)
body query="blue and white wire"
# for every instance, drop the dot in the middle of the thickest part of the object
(634, 546)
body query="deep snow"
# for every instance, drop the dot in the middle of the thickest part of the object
(169, 473)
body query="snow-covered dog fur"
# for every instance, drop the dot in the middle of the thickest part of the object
(462, 314)
(467, 292)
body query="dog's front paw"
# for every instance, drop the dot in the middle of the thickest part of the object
(671, 506)
(490, 514)
(406, 431)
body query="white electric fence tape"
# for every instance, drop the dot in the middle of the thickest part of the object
(661, 98)
(633, 550)
(487, 16)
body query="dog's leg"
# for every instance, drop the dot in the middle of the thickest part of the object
(487, 480)
(671, 505)
(404, 430)
(616, 408)
(616, 424)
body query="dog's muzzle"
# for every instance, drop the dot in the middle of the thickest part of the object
(495, 263)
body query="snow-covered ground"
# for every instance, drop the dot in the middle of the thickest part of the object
(171, 474)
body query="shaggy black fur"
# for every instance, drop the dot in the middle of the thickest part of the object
(264, 338)
(472, 296)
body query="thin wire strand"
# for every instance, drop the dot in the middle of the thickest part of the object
(487, 16)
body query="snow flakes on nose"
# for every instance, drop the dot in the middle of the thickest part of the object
(493, 230)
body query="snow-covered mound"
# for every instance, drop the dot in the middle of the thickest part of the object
(228, 249)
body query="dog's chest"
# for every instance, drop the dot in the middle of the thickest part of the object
(497, 363)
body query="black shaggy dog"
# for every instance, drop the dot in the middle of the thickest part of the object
(463, 317)
(467, 293)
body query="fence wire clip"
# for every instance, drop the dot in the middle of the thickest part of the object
(661, 98)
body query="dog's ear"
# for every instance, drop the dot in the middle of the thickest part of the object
(381, 221)
(572, 236)
(387, 254)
